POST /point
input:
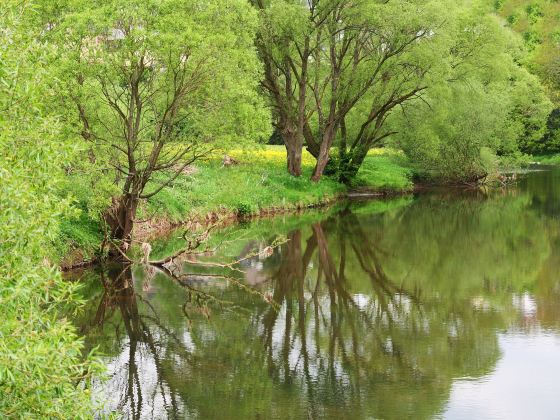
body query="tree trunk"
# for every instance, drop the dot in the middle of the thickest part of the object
(324, 153)
(294, 148)
(294, 160)
(120, 217)
(312, 146)
(321, 164)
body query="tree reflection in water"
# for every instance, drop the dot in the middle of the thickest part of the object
(138, 382)
(354, 331)
(353, 350)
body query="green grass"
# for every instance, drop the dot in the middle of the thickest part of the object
(246, 188)
(258, 183)
(83, 233)
(553, 159)
(385, 173)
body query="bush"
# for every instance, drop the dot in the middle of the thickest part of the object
(40, 355)
(243, 209)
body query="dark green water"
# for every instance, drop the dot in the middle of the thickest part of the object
(443, 305)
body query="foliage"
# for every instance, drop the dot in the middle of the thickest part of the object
(528, 119)
(40, 355)
(153, 92)
(537, 21)
(482, 106)
(551, 138)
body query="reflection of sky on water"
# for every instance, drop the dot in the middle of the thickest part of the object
(460, 322)
(524, 384)
(117, 371)
(526, 304)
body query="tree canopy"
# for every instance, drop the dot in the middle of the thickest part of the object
(154, 86)
(338, 72)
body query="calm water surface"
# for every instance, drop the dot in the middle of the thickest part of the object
(443, 305)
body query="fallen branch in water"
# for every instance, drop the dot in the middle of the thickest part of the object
(183, 279)
(191, 246)
(170, 266)
(264, 253)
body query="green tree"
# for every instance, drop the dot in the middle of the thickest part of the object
(40, 355)
(551, 140)
(537, 22)
(155, 85)
(324, 59)
(483, 105)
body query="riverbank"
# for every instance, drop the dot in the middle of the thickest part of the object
(211, 192)
(550, 159)
(411, 266)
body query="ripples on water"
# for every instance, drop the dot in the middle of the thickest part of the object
(436, 306)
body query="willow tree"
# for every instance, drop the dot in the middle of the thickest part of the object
(155, 85)
(43, 373)
(325, 59)
(379, 56)
(483, 105)
(288, 36)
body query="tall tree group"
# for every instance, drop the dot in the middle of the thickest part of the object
(152, 86)
(337, 69)
(349, 73)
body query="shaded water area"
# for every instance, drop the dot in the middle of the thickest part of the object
(442, 305)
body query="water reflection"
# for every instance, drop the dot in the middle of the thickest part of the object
(138, 380)
(375, 315)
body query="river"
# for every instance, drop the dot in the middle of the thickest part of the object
(445, 304)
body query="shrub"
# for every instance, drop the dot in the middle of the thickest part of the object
(243, 209)
(40, 355)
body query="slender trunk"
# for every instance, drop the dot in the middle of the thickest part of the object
(301, 112)
(312, 146)
(343, 156)
(343, 140)
(321, 164)
(324, 153)
(333, 119)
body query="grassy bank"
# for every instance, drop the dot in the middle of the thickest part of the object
(258, 183)
(267, 230)
(552, 159)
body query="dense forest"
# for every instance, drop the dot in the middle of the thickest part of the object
(111, 110)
